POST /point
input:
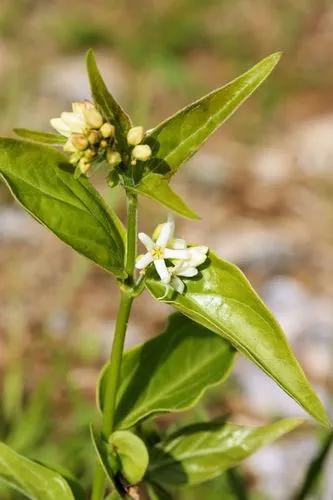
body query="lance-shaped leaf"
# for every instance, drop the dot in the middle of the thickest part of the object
(176, 139)
(42, 137)
(201, 452)
(31, 479)
(41, 180)
(105, 102)
(156, 187)
(169, 372)
(222, 299)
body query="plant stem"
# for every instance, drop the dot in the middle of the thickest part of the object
(115, 364)
(113, 380)
(132, 229)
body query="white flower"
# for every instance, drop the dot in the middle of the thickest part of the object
(83, 117)
(185, 260)
(158, 251)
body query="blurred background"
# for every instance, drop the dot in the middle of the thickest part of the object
(263, 185)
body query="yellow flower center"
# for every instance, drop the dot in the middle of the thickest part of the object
(157, 253)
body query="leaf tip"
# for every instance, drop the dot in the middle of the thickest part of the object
(275, 57)
(90, 54)
(90, 59)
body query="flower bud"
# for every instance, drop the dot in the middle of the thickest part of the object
(135, 136)
(142, 153)
(93, 137)
(79, 141)
(89, 154)
(93, 118)
(84, 165)
(107, 130)
(103, 144)
(113, 158)
(75, 157)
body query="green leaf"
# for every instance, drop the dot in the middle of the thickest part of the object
(106, 103)
(156, 492)
(124, 458)
(315, 469)
(156, 187)
(202, 452)
(41, 180)
(132, 454)
(107, 460)
(176, 139)
(237, 483)
(43, 137)
(169, 372)
(31, 479)
(222, 299)
(113, 496)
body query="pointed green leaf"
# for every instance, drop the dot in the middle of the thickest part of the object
(105, 102)
(222, 299)
(42, 137)
(176, 139)
(201, 452)
(169, 372)
(41, 180)
(156, 187)
(31, 479)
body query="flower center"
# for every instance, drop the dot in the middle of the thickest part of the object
(157, 253)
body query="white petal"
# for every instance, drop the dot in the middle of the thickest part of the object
(197, 255)
(146, 241)
(74, 121)
(60, 126)
(69, 146)
(176, 254)
(187, 272)
(143, 261)
(166, 233)
(162, 270)
(177, 284)
(78, 107)
(177, 243)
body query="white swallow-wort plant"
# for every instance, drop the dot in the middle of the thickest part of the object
(218, 312)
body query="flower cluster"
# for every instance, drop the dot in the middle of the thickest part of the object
(89, 138)
(92, 140)
(171, 256)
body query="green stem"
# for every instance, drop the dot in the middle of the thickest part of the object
(132, 229)
(113, 380)
(115, 364)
